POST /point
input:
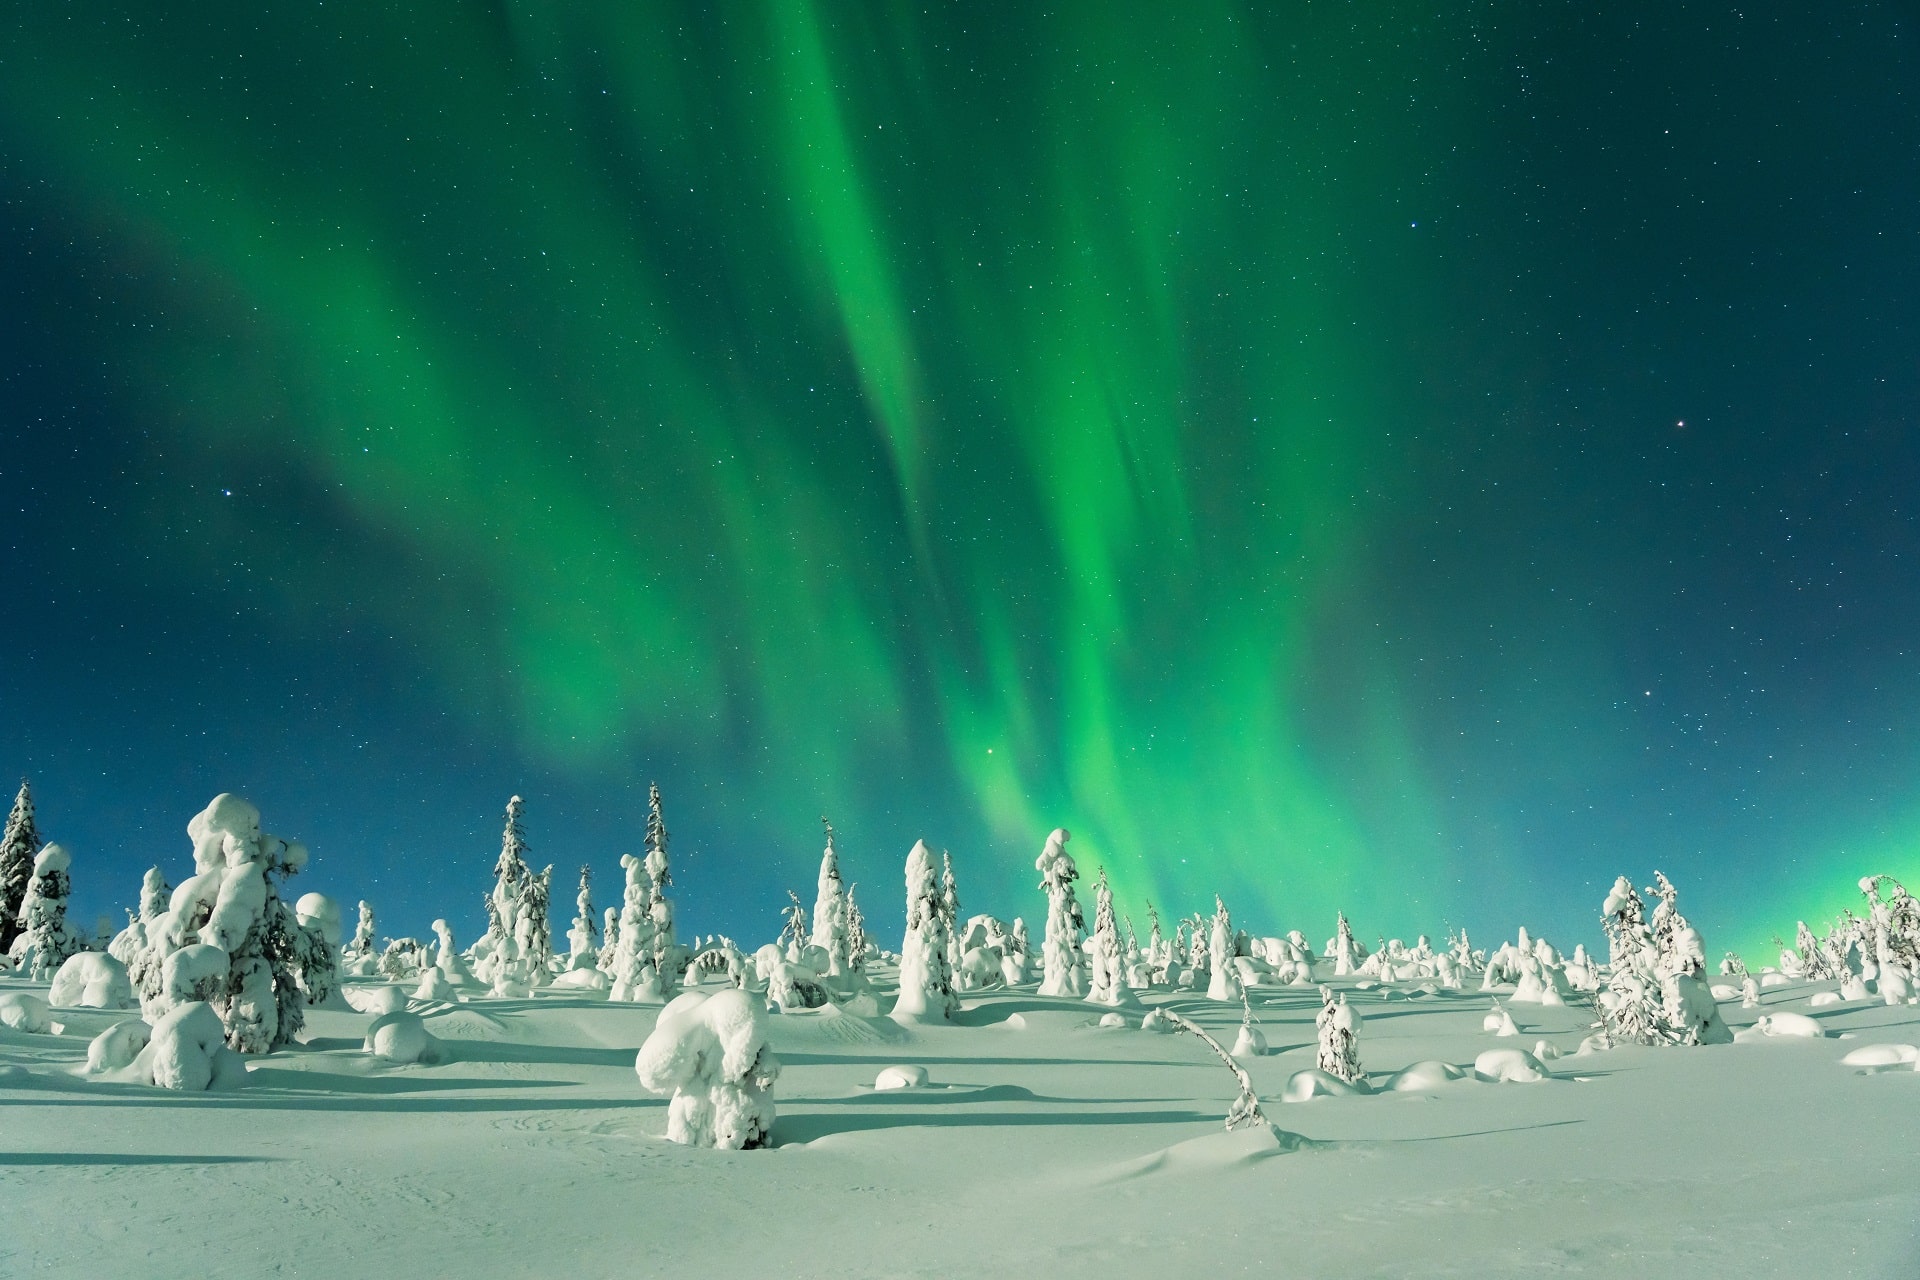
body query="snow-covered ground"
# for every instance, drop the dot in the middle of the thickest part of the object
(1043, 1144)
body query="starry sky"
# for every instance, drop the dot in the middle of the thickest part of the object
(1416, 459)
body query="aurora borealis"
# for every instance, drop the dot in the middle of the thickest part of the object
(1402, 458)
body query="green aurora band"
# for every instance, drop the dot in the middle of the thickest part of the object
(1000, 412)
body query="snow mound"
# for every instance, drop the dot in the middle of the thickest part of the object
(91, 980)
(1883, 1057)
(1113, 1020)
(1509, 1066)
(435, 986)
(1500, 1022)
(901, 1078)
(583, 980)
(1789, 1025)
(189, 1052)
(403, 1038)
(1315, 1083)
(1156, 1021)
(378, 1000)
(24, 1011)
(1429, 1074)
(1774, 978)
(117, 1046)
(1821, 999)
(1222, 1152)
(1250, 1043)
(1722, 991)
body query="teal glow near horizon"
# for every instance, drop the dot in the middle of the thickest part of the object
(1226, 432)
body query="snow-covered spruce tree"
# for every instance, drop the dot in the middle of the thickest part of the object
(1199, 952)
(632, 967)
(1156, 947)
(1223, 980)
(501, 952)
(793, 934)
(830, 908)
(317, 946)
(926, 978)
(1345, 951)
(46, 939)
(710, 1052)
(665, 952)
(1632, 1009)
(1815, 964)
(950, 905)
(1106, 968)
(18, 847)
(1338, 1029)
(534, 931)
(1065, 973)
(856, 937)
(581, 952)
(363, 939)
(248, 940)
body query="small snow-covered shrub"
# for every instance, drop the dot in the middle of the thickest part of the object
(434, 986)
(402, 1038)
(318, 950)
(188, 1051)
(1509, 1066)
(1158, 1022)
(117, 1046)
(710, 1052)
(24, 1011)
(1339, 1029)
(908, 1077)
(91, 980)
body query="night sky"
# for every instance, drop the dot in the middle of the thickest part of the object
(1424, 460)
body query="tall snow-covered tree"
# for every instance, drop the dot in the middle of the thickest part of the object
(926, 978)
(363, 940)
(950, 903)
(1338, 1028)
(666, 951)
(1106, 969)
(830, 908)
(581, 952)
(535, 929)
(1065, 971)
(856, 935)
(46, 939)
(1346, 951)
(1223, 982)
(645, 964)
(18, 846)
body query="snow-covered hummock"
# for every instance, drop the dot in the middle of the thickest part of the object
(46, 939)
(18, 845)
(1223, 981)
(1063, 969)
(188, 1051)
(1106, 971)
(1339, 1035)
(710, 1052)
(926, 979)
(830, 909)
(91, 980)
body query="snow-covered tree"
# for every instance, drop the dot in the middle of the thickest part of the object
(1223, 981)
(794, 933)
(1656, 992)
(1345, 951)
(950, 905)
(46, 939)
(249, 943)
(19, 844)
(1106, 968)
(1065, 974)
(830, 908)
(317, 949)
(1251, 1042)
(856, 937)
(926, 977)
(710, 1052)
(535, 927)
(1816, 965)
(581, 952)
(646, 959)
(665, 951)
(1339, 1035)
